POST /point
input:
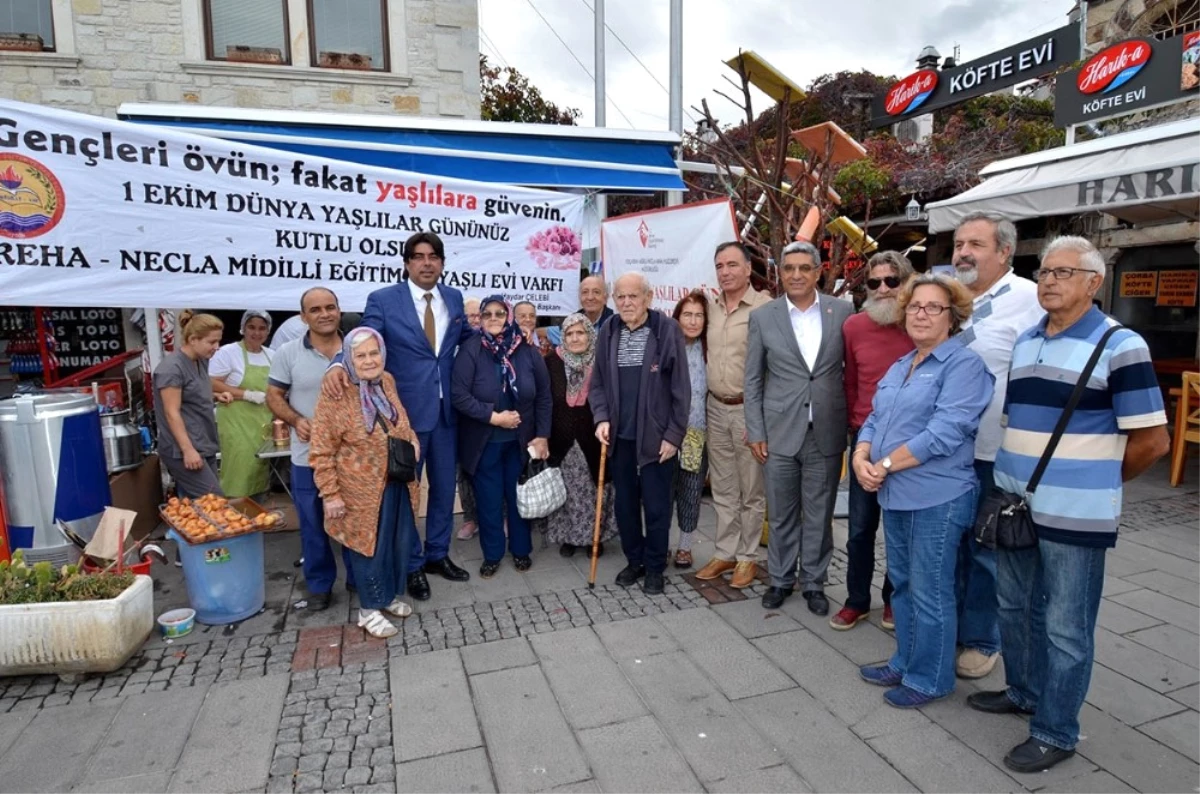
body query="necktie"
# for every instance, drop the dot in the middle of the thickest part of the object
(430, 325)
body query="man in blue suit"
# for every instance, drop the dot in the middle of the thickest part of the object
(423, 323)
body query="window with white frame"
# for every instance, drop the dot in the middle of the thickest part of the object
(247, 31)
(26, 25)
(349, 34)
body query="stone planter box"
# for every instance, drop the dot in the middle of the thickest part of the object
(76, 636)
(240, 54)
(345, 60)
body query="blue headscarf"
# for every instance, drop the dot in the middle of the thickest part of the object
(503, 344)
(370, 392)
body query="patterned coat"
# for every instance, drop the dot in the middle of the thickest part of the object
(350, 463)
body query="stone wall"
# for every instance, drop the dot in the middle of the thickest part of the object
(115, 51)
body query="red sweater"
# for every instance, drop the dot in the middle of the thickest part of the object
(871, 350)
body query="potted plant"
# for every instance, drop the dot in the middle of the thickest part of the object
(66, 621)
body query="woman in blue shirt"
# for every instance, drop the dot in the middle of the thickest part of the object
(501, 391)
(917, 450)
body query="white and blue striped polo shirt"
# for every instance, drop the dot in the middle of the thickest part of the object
(1078, 500)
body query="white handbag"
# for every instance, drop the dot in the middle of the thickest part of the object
(541, 490)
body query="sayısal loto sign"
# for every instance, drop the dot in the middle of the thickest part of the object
(1125, 77)
(1016, 64)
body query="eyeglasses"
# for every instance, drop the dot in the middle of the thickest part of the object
(891, 281)
(1059, 273)
(930, 309)
(494, 315)
(804, 270)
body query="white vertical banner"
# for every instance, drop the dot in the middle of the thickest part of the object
(673, 247)
(96, 212)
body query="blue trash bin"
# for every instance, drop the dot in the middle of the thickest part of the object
(225, 578)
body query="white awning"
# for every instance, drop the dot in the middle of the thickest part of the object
(1143, 176)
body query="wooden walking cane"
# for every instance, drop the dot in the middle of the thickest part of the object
(599, 514)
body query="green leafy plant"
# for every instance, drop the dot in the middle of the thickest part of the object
(42, 583)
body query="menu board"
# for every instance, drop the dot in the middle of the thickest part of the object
(1177, 288)
(1139, 284)
(86, 337)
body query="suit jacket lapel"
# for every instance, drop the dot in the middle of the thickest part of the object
(826, 305)
(784, 314)
(449, 320)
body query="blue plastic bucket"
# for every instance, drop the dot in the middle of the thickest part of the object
(225, 578)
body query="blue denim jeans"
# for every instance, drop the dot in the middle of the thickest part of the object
(922, 548)
(1049, 596)
(860, 545)
(975, 582)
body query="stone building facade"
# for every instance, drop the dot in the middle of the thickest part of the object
(97, 54)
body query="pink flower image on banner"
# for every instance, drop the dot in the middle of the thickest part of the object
(556, 248)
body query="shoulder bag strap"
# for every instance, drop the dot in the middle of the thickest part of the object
(1065, 417)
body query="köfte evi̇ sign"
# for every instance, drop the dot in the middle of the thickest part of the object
(928, 90)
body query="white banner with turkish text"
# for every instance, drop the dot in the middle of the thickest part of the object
(673, 247)
(95, 212)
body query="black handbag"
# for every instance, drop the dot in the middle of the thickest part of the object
(402, 456)
(1004, 520)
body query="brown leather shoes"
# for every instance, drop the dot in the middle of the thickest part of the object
(715, 568)
(743, 574)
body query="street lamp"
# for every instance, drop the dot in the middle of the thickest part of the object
(705, 132)
(912, 210)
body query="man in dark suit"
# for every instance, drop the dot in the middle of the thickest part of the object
(796, 422)
(422, 322)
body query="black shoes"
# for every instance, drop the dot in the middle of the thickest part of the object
(995, 703)
(1034, 756)
(522, 564)
(319, 601)
(630, 574)
(818, 604)
(566, 550)
(418, 586)
(488, 569)
(653, 583)
(446, 569)
(775, 596)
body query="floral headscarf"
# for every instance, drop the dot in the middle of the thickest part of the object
(578, 365)
(502, 345)
(370, 392)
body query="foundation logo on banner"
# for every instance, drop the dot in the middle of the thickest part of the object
(647, 238)
(1113, 67)
(911, 92)
(31, 198)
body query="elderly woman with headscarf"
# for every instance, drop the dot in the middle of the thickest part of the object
(241, 369)
(502, 394)
(366, 512)
(574, 447)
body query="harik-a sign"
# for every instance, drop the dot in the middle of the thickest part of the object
(1016, 64)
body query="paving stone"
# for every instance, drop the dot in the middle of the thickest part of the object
(1120, 619)
(229, 747)
(498, 656)
(953, 767)
(571, 658)
(161, 723)
(530, 744)
(636, 756)
(11, 727)
(343, 743)
(780, 779)
(312, 781)
(1188, 696)
(1178, 613)
(1131, 756)
(822, 750)
(383, 756)
(1127, 700)
(437, 715)
(359, 775)
(466, 770)
(751, 620)
(384, 774)
(1174, 586)
(72, 731)
(1160, 673)
(1097, 782)
(314, 746)
(636, 639)
(332, 779)
(1179, 645)
(287, 749)
(284, 765)
(738, 669)
(312, 763)
(125, 785)
(1181, 732)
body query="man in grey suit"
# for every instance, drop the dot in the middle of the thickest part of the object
(796, 423)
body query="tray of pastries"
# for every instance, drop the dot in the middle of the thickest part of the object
(210, 517)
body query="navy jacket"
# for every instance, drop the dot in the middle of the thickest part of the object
(420, 375)
(475, 389)
(664, 393)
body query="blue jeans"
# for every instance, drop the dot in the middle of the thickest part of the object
(860, 545)
(922, 549)
(320, 566)
(975, 582)
(1049, 596)
(439, 451)
(495, 482)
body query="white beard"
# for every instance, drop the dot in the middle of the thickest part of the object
(967, 276)
(883, 312)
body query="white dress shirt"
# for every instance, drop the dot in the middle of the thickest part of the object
(806, 325)
(441, 314)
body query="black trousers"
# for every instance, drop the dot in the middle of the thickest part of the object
(648, 489)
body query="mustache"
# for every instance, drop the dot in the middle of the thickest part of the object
(966, 259)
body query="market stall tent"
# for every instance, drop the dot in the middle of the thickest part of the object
(1149, 175)
(533, 155)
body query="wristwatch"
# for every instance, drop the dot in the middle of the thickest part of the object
(886, 463)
